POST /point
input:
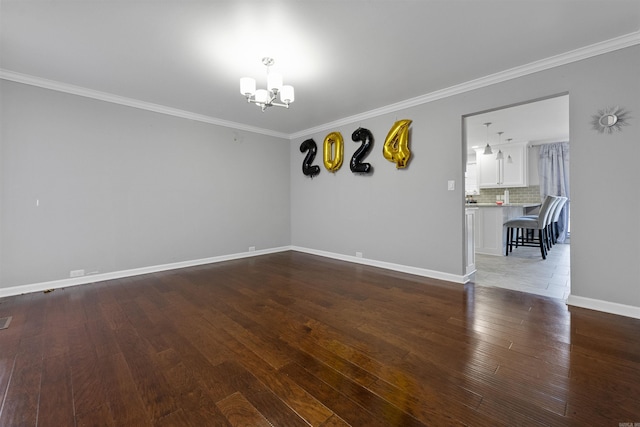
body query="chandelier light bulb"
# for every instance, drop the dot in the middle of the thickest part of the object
(274, 82)
(247, 86)
(262, 96)
(287, 95)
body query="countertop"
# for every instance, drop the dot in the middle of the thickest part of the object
(493, 205)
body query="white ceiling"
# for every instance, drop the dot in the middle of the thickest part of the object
(343, 57)
(536, 122)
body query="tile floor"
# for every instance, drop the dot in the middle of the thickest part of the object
(525, 270)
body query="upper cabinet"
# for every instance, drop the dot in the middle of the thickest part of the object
(511, 171)
(471, 180)
(511, 129)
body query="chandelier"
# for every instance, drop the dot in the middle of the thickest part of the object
(266, 97)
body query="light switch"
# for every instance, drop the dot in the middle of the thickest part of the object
(451, 185)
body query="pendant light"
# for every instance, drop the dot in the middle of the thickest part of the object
(499, 156)
(509, 159)
(487, 149)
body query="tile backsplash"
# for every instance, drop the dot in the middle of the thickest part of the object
(516, 195)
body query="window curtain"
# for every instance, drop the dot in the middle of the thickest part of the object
(553, 169)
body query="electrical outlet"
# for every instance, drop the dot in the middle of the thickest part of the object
(358, 254)
(76, 273)
(451, 185)
(252, 248)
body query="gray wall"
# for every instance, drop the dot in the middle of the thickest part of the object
(408, 216)
(403, 216)
(122, 188)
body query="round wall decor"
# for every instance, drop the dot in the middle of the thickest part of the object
(610, 119)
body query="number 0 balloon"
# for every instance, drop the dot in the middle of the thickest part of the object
(333, 151)
(396, 145)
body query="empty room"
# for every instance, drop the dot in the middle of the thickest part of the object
(319, 213)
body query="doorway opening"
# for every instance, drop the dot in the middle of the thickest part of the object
(505, 176)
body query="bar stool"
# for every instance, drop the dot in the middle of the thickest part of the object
(552, 223)
(524, 224)
(555, 216)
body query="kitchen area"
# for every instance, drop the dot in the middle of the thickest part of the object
(498, 199)
(502, 182)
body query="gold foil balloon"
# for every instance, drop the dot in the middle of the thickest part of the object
(396, 145)
(333, 149)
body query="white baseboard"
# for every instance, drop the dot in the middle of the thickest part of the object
(592, 304)
(65, 283)
(386, 265)
(469, 276)
(605, 306)
(573, 300)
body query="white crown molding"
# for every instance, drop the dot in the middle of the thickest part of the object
(130, 102)
(604, 306)
(606, 46)
(93, 278)
(502, 76)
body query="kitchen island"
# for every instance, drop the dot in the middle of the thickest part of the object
(490, 235)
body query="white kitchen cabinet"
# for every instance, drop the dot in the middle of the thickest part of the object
(486, 170)
(493, 173)
(471, 180)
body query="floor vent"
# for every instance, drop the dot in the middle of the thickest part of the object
(4, 322)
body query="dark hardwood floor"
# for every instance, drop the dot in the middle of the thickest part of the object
(291, 339)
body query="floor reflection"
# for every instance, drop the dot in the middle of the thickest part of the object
(520, 345)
